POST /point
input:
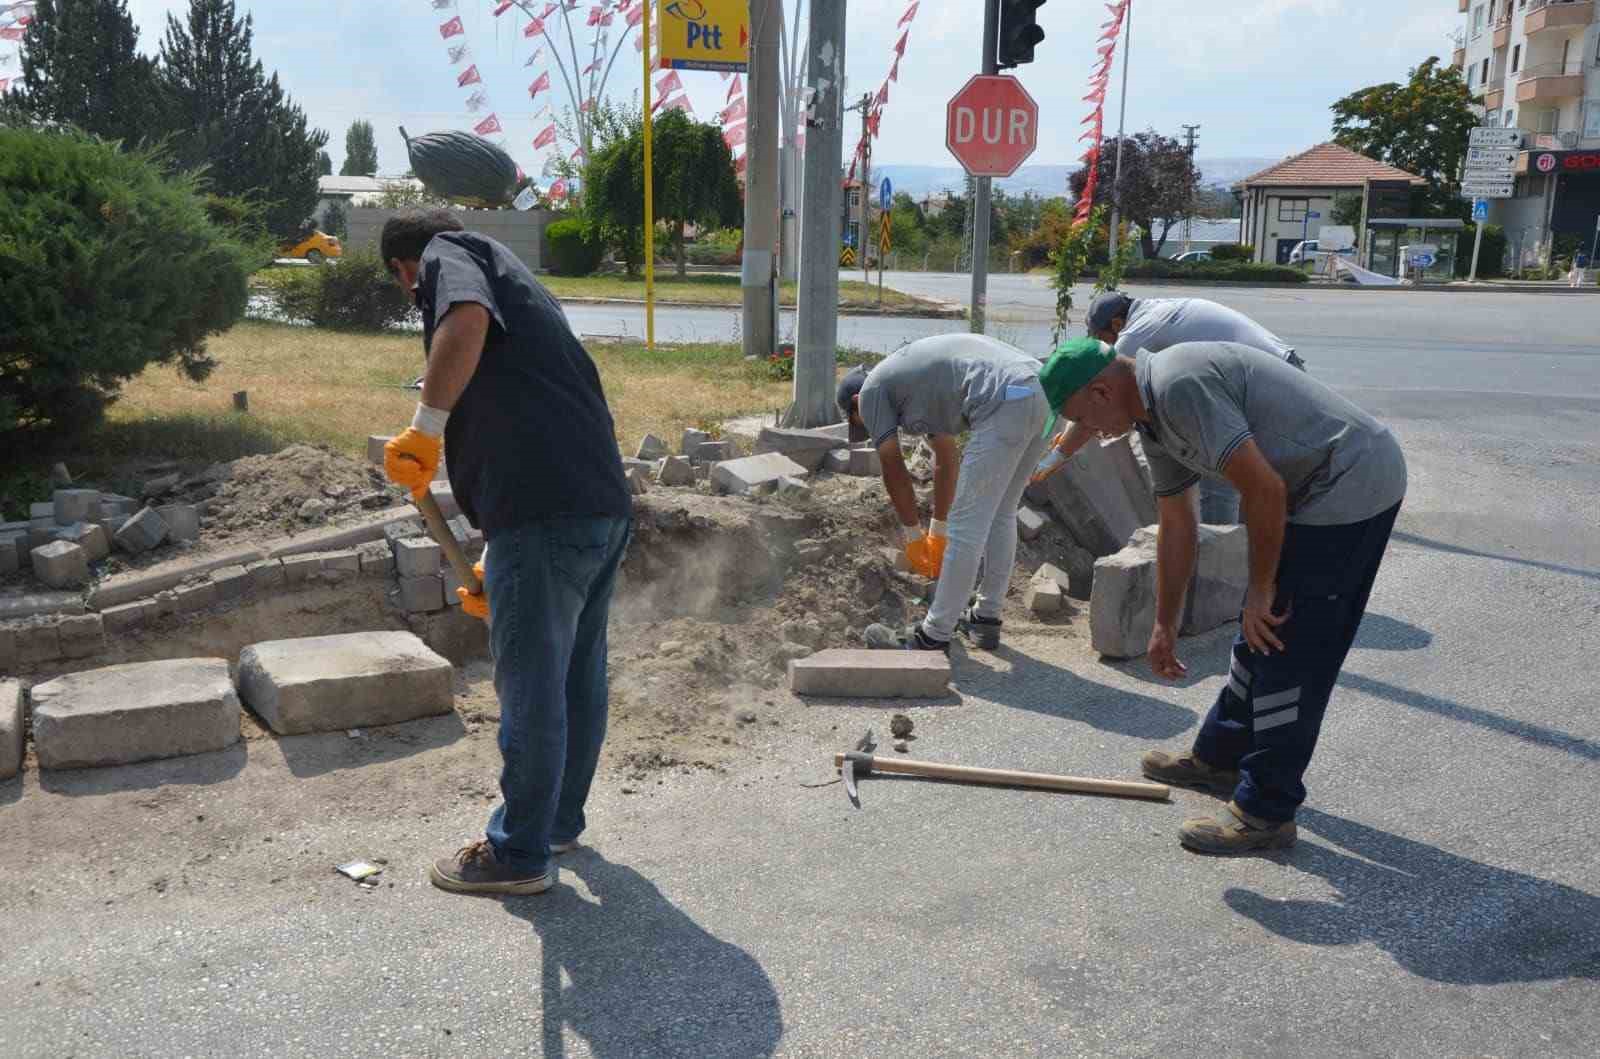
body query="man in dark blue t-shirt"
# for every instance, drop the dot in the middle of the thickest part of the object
(514, 396)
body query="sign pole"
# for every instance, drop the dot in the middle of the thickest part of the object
(649, 200)
(980, 197)
(1477, 245)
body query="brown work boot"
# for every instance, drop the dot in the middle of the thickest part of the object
(475, 870)
(1186, 770)
(1235, 831)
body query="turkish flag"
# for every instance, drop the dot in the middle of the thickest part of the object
(545, 138)
(736, 112)
(469, 76)
(669, 83)
(734, 89)
(734, 135)
(504, 6)
(900, 45)
(558, 190)
(540, 84)
(453, 28)
(883, 94)
(1097, 96)
(911, 13)
(635, 14)
(534, 27)
(577, 154)
(894, 71)
(488, 125)
(595, 14)
(873, 121)
(548, 10)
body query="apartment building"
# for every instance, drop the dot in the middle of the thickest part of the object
(1534, 65)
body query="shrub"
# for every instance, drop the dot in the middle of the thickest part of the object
(107, 264)
(1491, 260)
(1232, 252)
(1227, 271)
(573, 251)
(355, 293)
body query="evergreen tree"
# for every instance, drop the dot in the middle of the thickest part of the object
(81, 66)
(324, 164)
(232, 118)
(360, 151)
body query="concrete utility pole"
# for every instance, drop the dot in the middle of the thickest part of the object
(866, 183)
(1189, 139)
(1122, 120)
(817, 336)
(980, 196)
(759, 273)
(789, 195)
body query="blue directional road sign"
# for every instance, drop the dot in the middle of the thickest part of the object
(1480, 209)
(885, 194)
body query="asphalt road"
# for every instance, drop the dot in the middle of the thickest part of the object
(1444, 898)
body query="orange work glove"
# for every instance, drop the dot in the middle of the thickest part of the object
(937, 539)
(926, 555)
(412, 459)
(476, 603)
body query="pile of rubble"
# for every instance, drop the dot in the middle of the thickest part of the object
(77, 528)
(782, 462)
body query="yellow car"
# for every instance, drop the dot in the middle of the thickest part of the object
(315, 248)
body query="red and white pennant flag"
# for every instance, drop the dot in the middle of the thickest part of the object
(488, 125)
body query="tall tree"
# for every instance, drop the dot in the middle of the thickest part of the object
(81, 66)
(360, 150)
(232, 118)
(1421, 126)
(1158, 185)
(324, 164)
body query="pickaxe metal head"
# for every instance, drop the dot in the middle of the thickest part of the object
(860, 758)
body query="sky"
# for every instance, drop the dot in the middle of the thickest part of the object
(1256, 75)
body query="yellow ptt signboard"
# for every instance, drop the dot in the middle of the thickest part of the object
(705, 34)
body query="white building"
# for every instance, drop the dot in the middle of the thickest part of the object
(1292, 200)
(1534, 65)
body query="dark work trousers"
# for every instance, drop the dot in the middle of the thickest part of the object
(1266, 720)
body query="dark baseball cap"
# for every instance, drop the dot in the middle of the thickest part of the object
(1107, 307)
(849, 388)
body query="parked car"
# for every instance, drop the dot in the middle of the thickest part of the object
(315, 248)
(1310, 252)
(1193, 257)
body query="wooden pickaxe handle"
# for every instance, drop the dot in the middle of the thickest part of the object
(440, 530)
(1014, 778)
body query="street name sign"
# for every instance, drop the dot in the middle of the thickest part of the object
(1486, 137)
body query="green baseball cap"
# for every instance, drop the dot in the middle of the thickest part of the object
(1067, 371)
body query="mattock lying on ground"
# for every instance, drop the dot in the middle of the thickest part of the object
(862, 762)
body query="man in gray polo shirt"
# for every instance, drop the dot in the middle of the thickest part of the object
(942, 387)
(1321, 482)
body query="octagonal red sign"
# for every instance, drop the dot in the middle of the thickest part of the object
(992, 125)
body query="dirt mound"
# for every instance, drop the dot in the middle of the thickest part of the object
(287, 491)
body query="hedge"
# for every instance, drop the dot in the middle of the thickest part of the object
(354, 293)
(1228, 271)
(573, 252)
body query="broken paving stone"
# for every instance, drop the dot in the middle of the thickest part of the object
(135, 712)
(90, 536)
(675, 470)
(377, 559)
(1030, 523)
(375, 444)
(61, 565)
(160, 486)
(1043, 596)
(749, 475)
(638, 481)
(404, 529)
(651, 448)
(692, 439)
(334, 683)
(75, 505)
(860, 462)
(183, 521)
(900, 726)
(793, 488)
(144, 530)
(808, 448)
(869, 674)
(712, 452)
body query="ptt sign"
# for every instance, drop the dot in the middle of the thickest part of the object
(705, 34)
(1567, 161)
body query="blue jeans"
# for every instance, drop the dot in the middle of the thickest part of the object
(1266, 719)
(549, 586)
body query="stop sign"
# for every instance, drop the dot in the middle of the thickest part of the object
(992, 125)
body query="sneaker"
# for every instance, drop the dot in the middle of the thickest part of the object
(983, 632)
(1186, 770)
(1235, 831)
(475, 870)
(911, 638)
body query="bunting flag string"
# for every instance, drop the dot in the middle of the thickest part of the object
(1099, 78)
(457, 52)
(546, 137)
(477, 101)
(911, 13)
(469, 76)
(540, 84)
(735, 89)
(488, 126)
(502, 7)
(452, 28)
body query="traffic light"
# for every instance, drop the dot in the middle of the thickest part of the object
(1019, 31)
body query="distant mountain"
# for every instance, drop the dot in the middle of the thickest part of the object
(1046, 181)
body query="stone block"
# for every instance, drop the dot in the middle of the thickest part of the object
(693, 439)
(417, 557)
(419, 595)
(631, 464)
(675, 470)
(793, 488)
(10, 559)
(183, 521)
(196, 596)
(42, 509)
(232, 582)
(861, 462)
(355, 680)
(38, 644)
(13, 608)
(377, 559)
(339, 566)
(60, 564)
(135, 712)
(651, 448)
(82, 636)
(76, 505)
(638, 481)
(41, 531)
(749, 475)
(1043, 596)
(298, 568)
(712, 452)
(113, 504)
(1030, 523)
(10, 728)
(160, 485)
(1221, 578)
(90, 536)
(1095, 496)
(445, 499)
(1122, 605)
(451, 583)
(144, 530)
(375, 444)
(127, 616)
(402, 528)
(866, 674)
(111, 524)
(808, 448)
(8, 648)
(266, 573)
